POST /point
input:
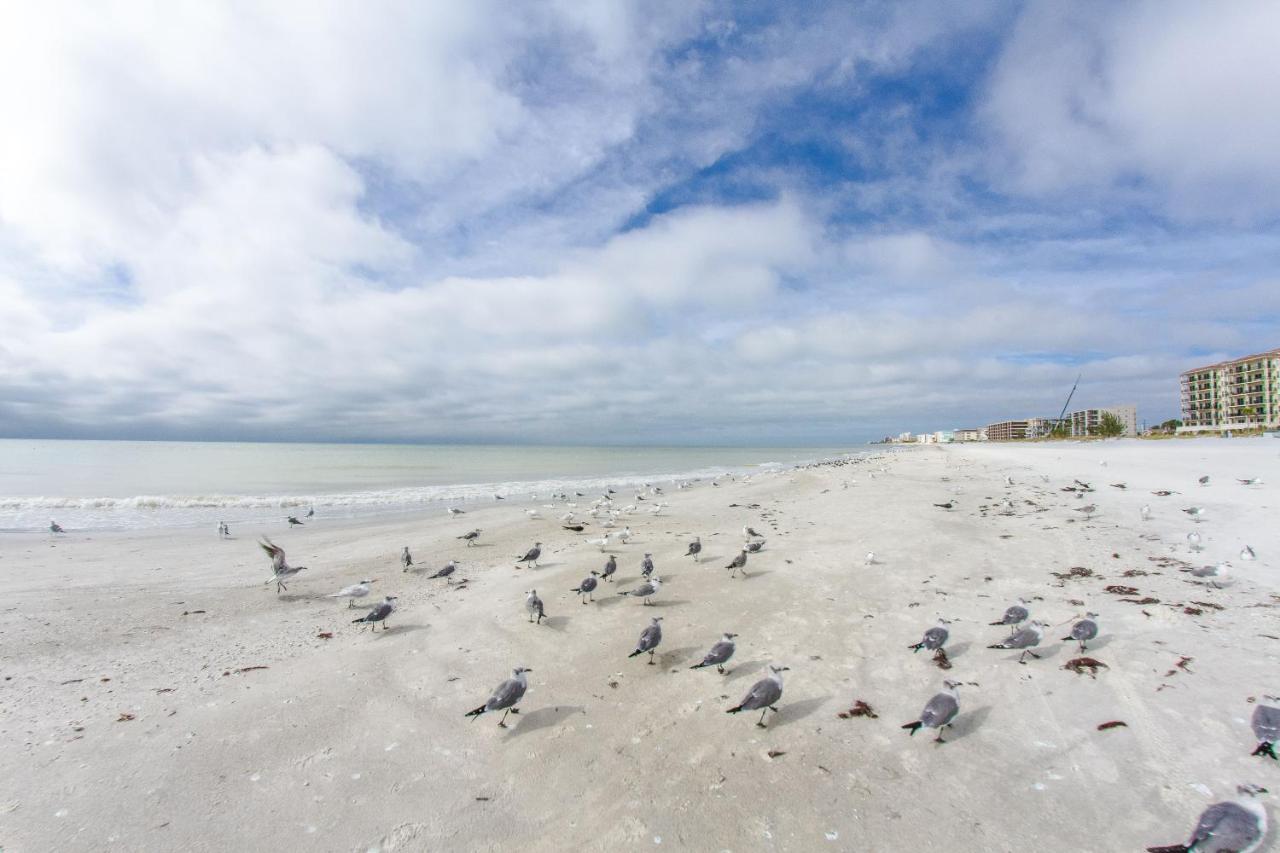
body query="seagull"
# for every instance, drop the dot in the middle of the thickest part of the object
(311, 512)
(222, 529)
(406, 559)
(379, 613)
(55, 527)
(1163, 493)
(646, 565)
(1217, 573)
(695, 548)
(602, 542)
(947, 505)
(1084, 630)
(749, 532)
(1195, 512)
(1266, 726)
(649, 639)
(444, 571)
(934, 638)
(1119, 486)
(625, 535)
(576, 528)
(754, 547)
(1087, 509)
(1204, 481)
(1025, 639)
(870, 559)
(763, 695)
(719, 654)
(587, 587)
(1145, 512)
(609, 568)
(533, 604)
(453, 510)
(293, 522)
(738, 562)
(1014, 615)
(532, 513)
(531, 556)
(1231, 826)
(646, 589)
(506, 697)
(567, 518)
(1008, 481)
(351, 593)
(1193, 540)
(1247, 553)
(939, 711)
(1250, 481)
(471, 537)
(279, 566)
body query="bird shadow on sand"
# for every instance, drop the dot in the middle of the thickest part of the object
(967, 722)
(754, 574)
(675, 657)
(543, 718)
(742, 670)
(555, 623)
(310, 596)
(794, 712)
(1093, 645)
(405, 628)
(668, 602)
(957, 650)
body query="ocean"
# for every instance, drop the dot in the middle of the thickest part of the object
(106, 485)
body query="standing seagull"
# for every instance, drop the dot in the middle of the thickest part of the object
(587, 587)
(533, 604)
(406, 559)
(1088, 510)
(719, 654)
(1145, 512)
(934, 638)
(738, 562)
(750, 532)
(279, 565)
(649, 639)
(351, 593)
(293, 521)
(55, 527)
(531, 556)
(1204, 481)
(1266, 726)
(1025, 639)
(1193, 540)
(1084, 630)
(609, 568)
(445, 571)
(1014, 615)
(763, 695)
(379, 613)
(506, 697)
(695, 548)
(1232, 826)
(646, 565)
(754, 547)
(939, 711)
(646, 589)
(1196, 512)
(471, 537)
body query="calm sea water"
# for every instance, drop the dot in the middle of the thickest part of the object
(135, 484)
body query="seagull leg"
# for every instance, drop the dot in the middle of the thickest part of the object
(651, 657)
(939, 739)
(503, 722)
(720, 669)
(760, 722)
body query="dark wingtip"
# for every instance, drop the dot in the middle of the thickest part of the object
(1266, 748)
(914, 726)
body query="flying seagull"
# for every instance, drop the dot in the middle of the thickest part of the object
(406, 559)
(719, 654)
(506, 697)
(738, 562)
(279, 565)
(939, 711)
(646, 565)
(1025, 639)
(763, 695)
(1014, 615)
(533, 604)
(1266, 726)
(649, 639)
(471, 537)
(55, 527)
(379, 613)
(1084, 630)
(610, 567)
(646, 589)
(695, 548)
(445, 571)
(1231, 826)
(531, 556)
(934, 638)
(351, 593)
(587, 587)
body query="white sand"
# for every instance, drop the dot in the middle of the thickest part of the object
(359, 742)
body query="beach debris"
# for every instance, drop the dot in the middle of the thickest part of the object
(1147, 600)
(941, 660)
(1082, 666)
(1112, 724)
(1118, 589)
(191, 612)
(325, 635)
(1073, 573)
(1183, 664)
(776, 753)
(125, 717)
(859, 709)
(244, 669)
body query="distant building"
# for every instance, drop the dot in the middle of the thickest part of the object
(1086, 421)
(971, 434)
(906, 437)
(1015, 430)
(944, 436)
(1239, 394)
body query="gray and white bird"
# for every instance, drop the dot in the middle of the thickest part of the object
(695, 548)
(1015, 614)
(280, 567)
(445, 571)
(646, 590)
(1087, 509)
(351, 593)
(1204, 481)
(55, 527)
(754, 547)
(505, 698)
(939, 711)
(379, 613)
(1216, 575)
(763, 695)
(738, 562)
(749, 532)
(1024, 639)
(610, 568)
(471, 536)
(1247, 553)
(649, 639)
(406, 559)
(1231, 826)
(1249, 481)
(587, 587)
(453, 510)
(531, 556)
(293, 521)
(646, 565)
(1145, 512)
(1266, 726)
(1193, 541)
(1084, 630)
(1196, 512)
(933, 639)
(719, 654)
(533, 605)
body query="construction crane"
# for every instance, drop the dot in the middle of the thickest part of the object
(1062, 415)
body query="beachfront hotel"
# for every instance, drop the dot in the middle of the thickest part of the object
(1243, 393)
(1014, 430)
(1087, 421)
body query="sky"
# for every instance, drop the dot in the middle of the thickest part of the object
(616, 223)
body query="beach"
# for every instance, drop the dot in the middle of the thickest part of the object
(159, 694)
